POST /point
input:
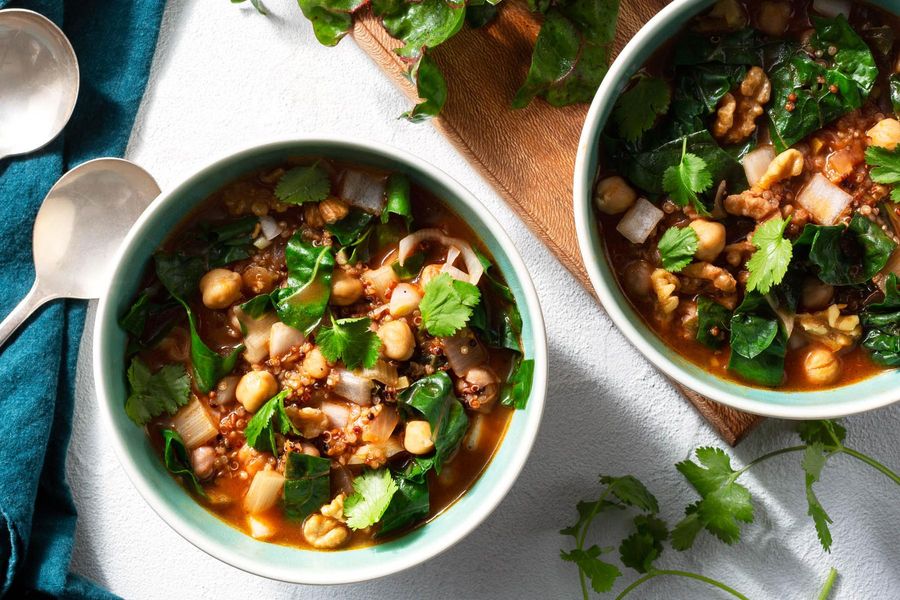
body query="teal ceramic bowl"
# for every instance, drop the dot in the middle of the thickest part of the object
(869, 394)
(203, 529)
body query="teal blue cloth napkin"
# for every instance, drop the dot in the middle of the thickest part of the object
(114, 41)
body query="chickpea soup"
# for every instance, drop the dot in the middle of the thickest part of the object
(324, 355)
(747, 194)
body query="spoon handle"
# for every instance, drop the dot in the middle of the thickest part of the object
(22, 311)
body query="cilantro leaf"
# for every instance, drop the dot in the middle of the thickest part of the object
(629, 490)
(350, 340)
(602, 574)
(637, 109)
(723, 504)
(447, 305)
(372, 493)
(152, 394)
(885, 167)
(677, 247)
(643, 547)
(177, 461)
(828, 433)
(769, 263)
(270, 417)
(304, 184)
(687, 179)
(814, 458)
(257, 4)
(686, 530)
(586, 512)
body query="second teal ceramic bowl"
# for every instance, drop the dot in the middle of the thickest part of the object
(869, 394)
(203, 529)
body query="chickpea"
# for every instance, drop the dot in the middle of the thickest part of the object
(258, 280)
(315, 365)
(614, 195)
(429, 273)
(397, 339)
(817, 295)
(822, 366)
(345, 288)
(885, 133)
(637, 278)
(417, 438)
(774, 17)
(404, 299)
(203, 461)
(711, 239)
(220, 288)
(255, 388)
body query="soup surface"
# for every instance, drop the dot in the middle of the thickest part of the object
(325, 355)
(746, 194)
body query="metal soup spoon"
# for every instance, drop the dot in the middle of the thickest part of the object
(78, 231)
(38, 81)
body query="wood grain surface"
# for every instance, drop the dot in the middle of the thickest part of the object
(528, 155)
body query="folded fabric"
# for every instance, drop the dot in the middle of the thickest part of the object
(114, 42)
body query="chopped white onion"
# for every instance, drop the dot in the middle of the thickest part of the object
(473, 436)
(262, 243)
(256, 336)
(194, 424)
(757, 162)
(382, 426)
(259, 529)
(383, 371)
(270, 227)
(832, 8)
(464, 352)
(824, 200)
(226, 390)
(363, 190)
(264, 491)
(353, 387)
(389, 448)
(640, 221)
(408, 245)
(282, 338)
(338, 412)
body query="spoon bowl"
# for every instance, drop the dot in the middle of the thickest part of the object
(79, 229)
(40, 80)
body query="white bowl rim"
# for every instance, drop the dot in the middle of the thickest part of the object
(415, 555)
(584, 221)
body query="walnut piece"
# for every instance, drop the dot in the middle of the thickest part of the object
(325, 533)
(738, 110)
(665, 285)
(787, 164)
(755, 203)
(738, 253)
(831, 328)
(335, 509)
(333, 210)
(703, 277)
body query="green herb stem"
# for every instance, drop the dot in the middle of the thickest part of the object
(871, 462)
(766, 457)
(689, 575)
(579, 540)
(829, 583)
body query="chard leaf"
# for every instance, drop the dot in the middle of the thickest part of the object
(431, 88)
(881, 323)
(758, 342)
(307, 484)
(713, 322)
(410, 502)
(424, 24)
(433, 398)
(397, 195)
(517, 388)
(302, 303)
(209, 366)
(180, 274)
(331, 19)
(175, 457)
(351, 228)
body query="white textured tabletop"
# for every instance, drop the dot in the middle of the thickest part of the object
(224, 78)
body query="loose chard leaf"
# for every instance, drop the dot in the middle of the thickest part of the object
(424, 24)
(886, 163)
(433, 398)
(431, 87)
(257, 306)
(571, 54)
(881, 322)
(176, 458)
(769, 263)
(209, 366)
(713, 322)
(637, 109)
(723, 505)
(307, 484)
(411, 502)
(153, 394)
(447, 305)
(302, 303)
(686, 179)
(372, 493)
(331, 19)
(270, 417)
(304, 184)
(677, 247)
(397, 196)
(351, 341)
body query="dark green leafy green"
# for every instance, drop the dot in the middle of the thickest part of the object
(209, 366)
(307, 484)
(309, 183)
(175, 457)
(517, 388)
(741, 47)
(397, 199)
(433, 398)
(351, 341)
(713, 322)
(257, 306)
(881, 323)
(411, 501)
(135, 319)
(153, 394)
(572, 52)
(894, 89)
(227, 242)
(885, 166)
(431, 87)
(180, 274)
(847, 255)
(270, 418)
(424, 24)
(302, 303)
(410, 267)
(351, 228)
(331, 19)
(758, 342)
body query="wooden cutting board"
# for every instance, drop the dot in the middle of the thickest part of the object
(528, 155)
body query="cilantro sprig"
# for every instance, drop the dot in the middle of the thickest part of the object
(351, 341)
(684, 181)
(153, 394)
(447, 305)
(885, 168)
(768, 265)
(270, 417)
(304, 184)
(637, 109)
(677, 247)
(372, 493)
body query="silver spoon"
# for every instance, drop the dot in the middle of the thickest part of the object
(38, 81)
(78, 231)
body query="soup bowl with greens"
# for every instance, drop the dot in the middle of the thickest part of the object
(320, 361)
(736, 201)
